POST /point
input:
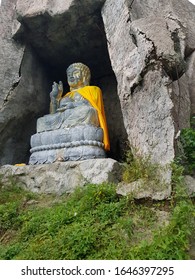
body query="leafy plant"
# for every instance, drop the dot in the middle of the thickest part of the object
(150, 176)
(187, 150)
(139, 167)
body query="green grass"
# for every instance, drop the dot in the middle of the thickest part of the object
(93, 223)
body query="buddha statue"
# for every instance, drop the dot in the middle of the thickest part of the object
(76, 127)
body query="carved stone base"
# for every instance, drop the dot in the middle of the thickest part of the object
(67, 154)
(70, 144)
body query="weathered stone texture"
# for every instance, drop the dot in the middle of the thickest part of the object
(20, 110)
(26, 8)
(64, 32)
(22, 88)
(147, 51)
(182, 10)
(180, 95)
(141, 190)
(191, 80)
(190, 185)
(10, 53)
(31, 8)
(149, 123)
(63, 177)
(183, 13)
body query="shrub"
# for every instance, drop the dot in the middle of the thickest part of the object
(187, 150)
(139, 167)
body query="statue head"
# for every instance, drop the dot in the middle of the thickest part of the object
(78, 75)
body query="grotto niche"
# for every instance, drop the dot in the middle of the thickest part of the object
(45, 40)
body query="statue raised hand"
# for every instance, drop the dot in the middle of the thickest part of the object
(55, 96)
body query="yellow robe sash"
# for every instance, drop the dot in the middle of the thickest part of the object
(94, 95)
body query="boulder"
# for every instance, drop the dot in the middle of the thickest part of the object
(190, 185)
(144, 190)
(63, 177)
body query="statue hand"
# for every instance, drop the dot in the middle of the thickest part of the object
(60, 86)
(68, 105)
(55, 96)
(54, 92)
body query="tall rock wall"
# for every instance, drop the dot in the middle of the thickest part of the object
(22, 90)
(10, 53)
(149, 45)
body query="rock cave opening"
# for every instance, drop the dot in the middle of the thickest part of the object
(59, 41)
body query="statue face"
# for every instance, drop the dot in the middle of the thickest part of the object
(75, 77)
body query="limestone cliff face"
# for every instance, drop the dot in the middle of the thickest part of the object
(152, 52)
(141, 54)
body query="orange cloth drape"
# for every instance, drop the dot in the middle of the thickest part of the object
(94, 95)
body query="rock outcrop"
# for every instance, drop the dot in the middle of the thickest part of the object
(63, 177)
(22, 90)
(190, 185)
(144, 190)
(152, 62)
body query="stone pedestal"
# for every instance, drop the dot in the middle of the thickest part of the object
(62, 177)
(67, 144)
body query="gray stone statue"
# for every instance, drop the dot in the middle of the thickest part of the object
(76, 127)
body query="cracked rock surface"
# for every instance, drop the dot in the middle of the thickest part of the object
(22, 85)
(152, 62)
(63, 177)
